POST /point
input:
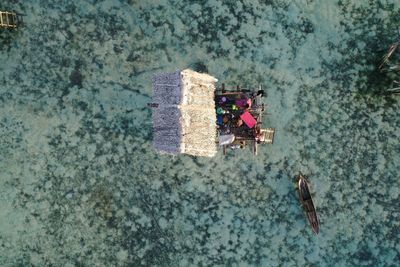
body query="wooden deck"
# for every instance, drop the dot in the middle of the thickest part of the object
(269, 135)
(8, 19)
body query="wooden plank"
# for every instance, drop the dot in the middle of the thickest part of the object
(11, 20)
(14, 19)
(255, 148)
(8, 23)
(269, 135)
(8, 19)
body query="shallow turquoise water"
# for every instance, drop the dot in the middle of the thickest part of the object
(80, 184)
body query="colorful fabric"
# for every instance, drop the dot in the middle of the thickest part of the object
(220, 111)
(243, 102)
(220, 120)
(248, 119)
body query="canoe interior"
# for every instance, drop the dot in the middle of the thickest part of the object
(308, 205)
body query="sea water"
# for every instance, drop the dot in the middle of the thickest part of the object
(81, 185)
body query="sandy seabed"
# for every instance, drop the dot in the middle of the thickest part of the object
(80, 184)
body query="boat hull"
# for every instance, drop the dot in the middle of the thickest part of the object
(308, 204)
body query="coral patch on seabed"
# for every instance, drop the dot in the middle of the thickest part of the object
(80, 183)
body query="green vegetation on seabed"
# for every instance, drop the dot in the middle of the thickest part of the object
(80, 184)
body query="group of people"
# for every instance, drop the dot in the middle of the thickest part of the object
(236, 118)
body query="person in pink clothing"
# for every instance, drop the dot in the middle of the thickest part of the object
(244, 102)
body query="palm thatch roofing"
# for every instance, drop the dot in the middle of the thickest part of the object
(184, 118)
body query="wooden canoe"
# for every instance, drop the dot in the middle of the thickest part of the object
(307, 202)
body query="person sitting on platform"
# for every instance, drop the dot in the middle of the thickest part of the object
(259, 136)
(244, 102)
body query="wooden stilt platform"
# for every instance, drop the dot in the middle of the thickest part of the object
(8, 19)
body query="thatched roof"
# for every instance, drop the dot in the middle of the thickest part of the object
(185, 119)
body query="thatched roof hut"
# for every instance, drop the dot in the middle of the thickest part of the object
(184, 116)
